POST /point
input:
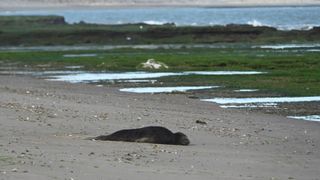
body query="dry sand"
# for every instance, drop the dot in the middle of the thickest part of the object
(9, 4)
(43, 126)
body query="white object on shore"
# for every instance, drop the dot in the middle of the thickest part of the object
(308, 118)
(165, 89)
(153, 64)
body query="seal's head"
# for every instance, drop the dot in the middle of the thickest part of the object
(181, 138)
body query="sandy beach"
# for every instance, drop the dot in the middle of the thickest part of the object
(35, 4)
(44, 124)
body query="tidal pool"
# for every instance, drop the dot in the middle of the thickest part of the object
(79, 55)
(287, 46)
(259, 105)
(93, 77)
(165, 89)
(246, 90)
(74, 67)
(307, 118)
(265, 102)
(262, 100)
(152, 81)
(313, 50)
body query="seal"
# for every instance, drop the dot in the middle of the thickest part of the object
(150, 134)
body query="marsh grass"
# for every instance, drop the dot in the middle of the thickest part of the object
(290, 72)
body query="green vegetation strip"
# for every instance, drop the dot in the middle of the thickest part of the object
(291, 72)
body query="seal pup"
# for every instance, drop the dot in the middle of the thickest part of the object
(150, 134)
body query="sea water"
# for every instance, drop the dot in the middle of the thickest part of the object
(284, 18)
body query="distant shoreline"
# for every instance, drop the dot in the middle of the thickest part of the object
(35, 6)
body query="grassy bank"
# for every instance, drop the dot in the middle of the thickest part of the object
(53, 30)
(290, 72)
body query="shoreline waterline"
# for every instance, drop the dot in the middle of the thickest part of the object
(180, 16)
(101, 76)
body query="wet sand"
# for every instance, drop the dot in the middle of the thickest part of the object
(13, 4)
(43, 126)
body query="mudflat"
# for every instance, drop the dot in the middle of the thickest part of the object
(44, 126)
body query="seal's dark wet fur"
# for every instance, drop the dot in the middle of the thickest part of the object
(151, 134)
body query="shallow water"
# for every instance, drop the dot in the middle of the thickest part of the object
(246, 90)
(259, 105)
(74, 67)
(79, 55)
(94, 77)
(307, 118)
(223, 72)
(313, 50)
(262, 100)
(152, 81)
(288, 46)
(284, 18)
(165, 89)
